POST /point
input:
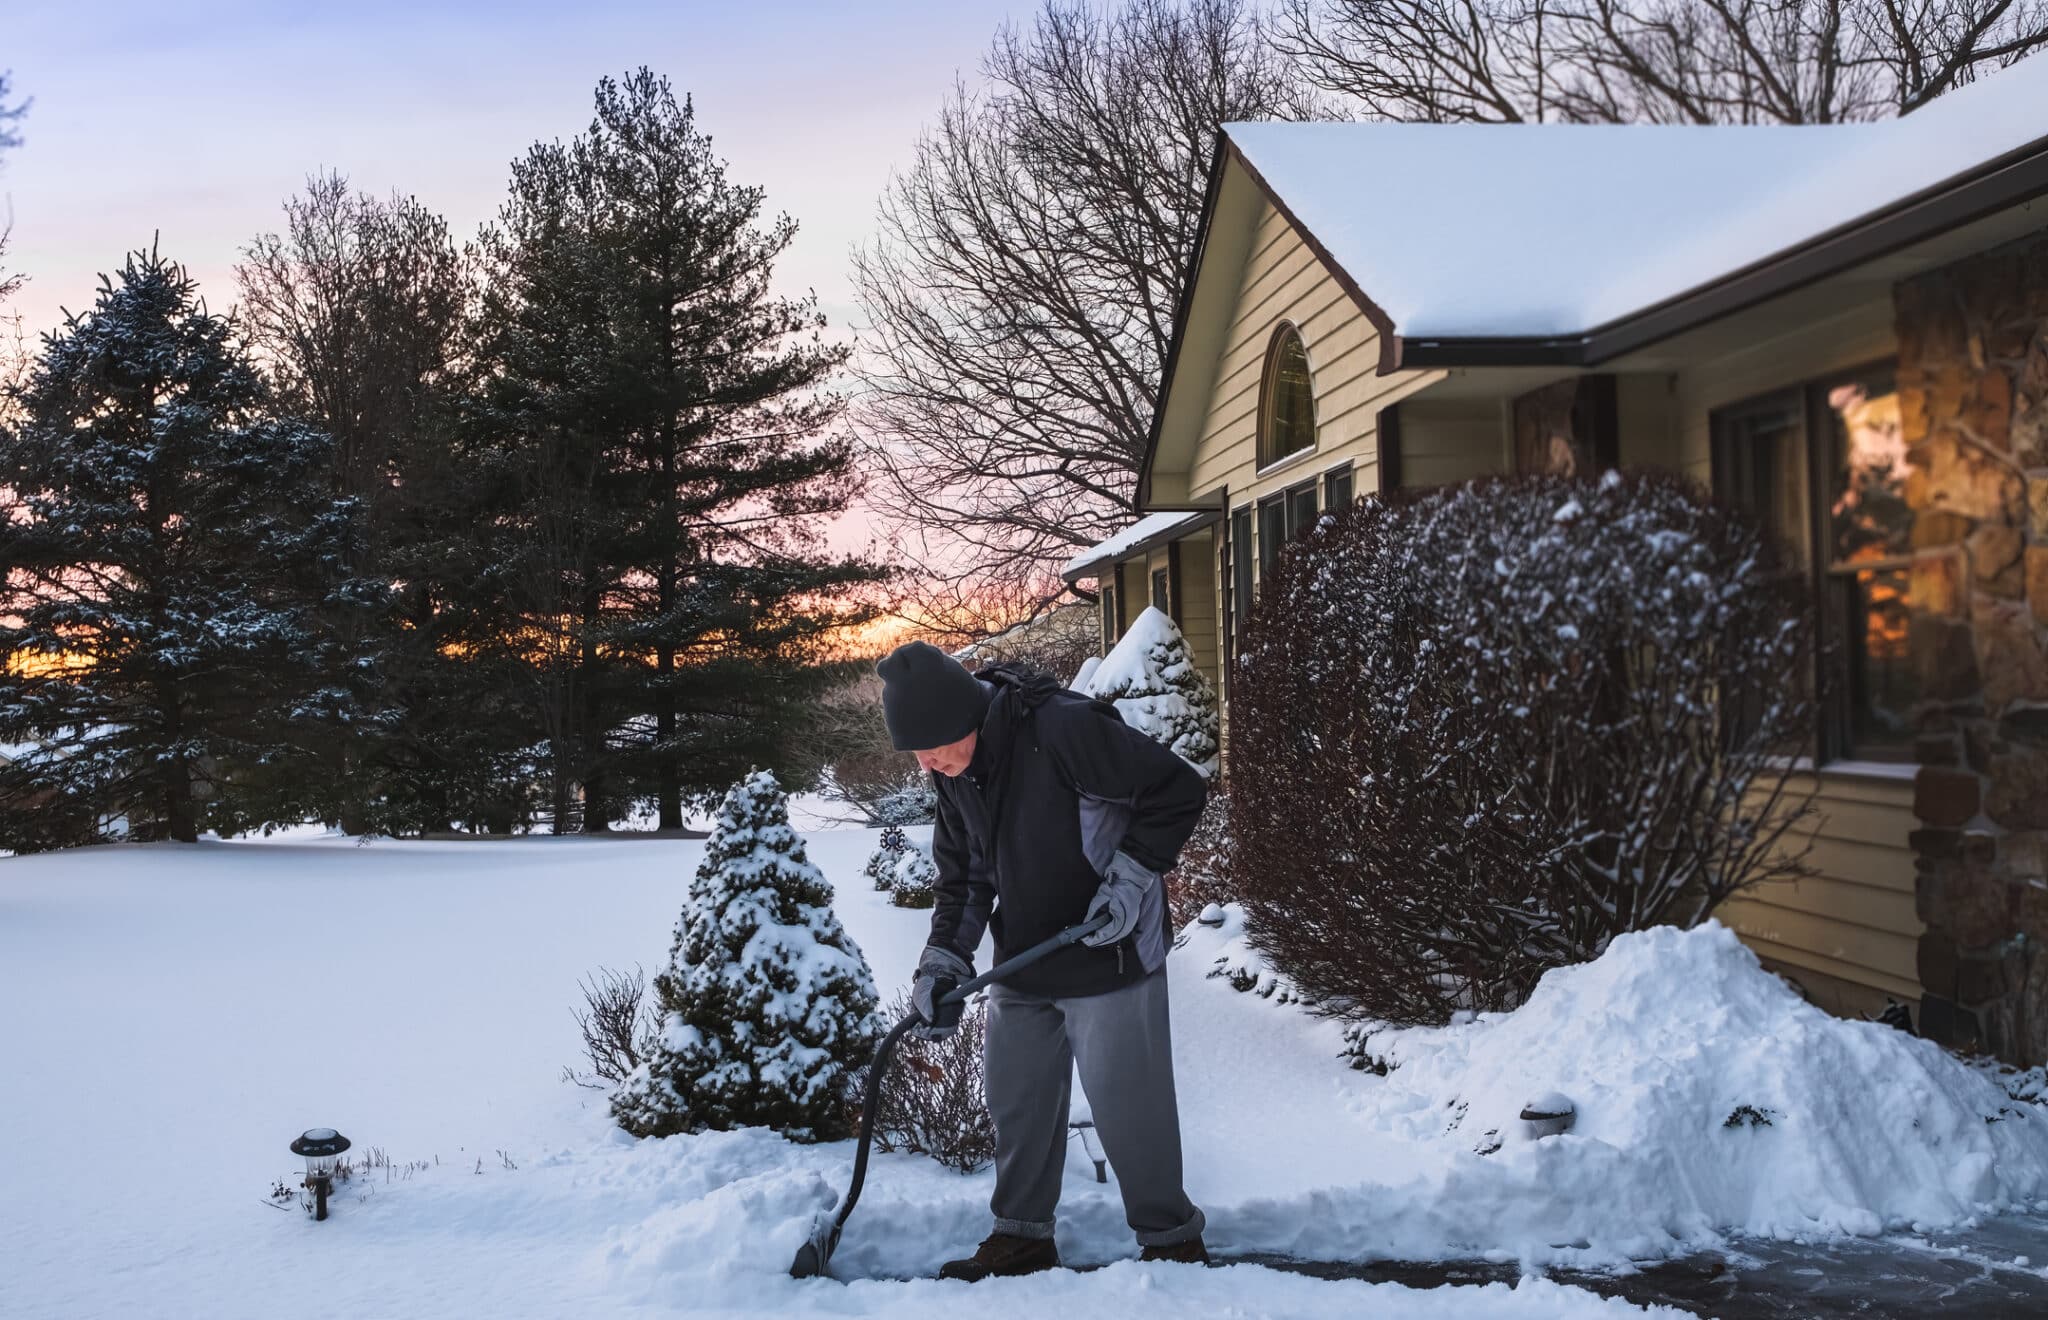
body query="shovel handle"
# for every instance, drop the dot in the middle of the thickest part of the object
(1004, 970)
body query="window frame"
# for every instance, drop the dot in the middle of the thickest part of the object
(1350, 475)
(1261, 465)
(1830, 667)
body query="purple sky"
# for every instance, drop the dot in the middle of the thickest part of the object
(198, 118)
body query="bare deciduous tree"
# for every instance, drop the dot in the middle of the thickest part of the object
(13, 355)
(1652, 61)
(1021, 291)
(357, 307)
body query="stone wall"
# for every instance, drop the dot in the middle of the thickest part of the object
(1973, 385)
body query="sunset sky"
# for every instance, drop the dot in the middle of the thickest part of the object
(197, 119)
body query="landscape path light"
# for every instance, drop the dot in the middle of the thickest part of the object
(322, 1147)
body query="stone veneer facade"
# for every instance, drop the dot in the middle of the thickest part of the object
(1973, 391)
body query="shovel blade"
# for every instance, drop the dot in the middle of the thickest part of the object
(816, 1252)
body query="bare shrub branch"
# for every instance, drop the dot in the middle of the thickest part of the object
(615, 1024)
(1572, 708)
(932, 1101)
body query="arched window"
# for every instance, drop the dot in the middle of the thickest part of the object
(1287, 406)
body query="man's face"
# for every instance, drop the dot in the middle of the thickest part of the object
(950, 760)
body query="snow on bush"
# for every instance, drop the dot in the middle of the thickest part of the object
(911, 885)
(766, 1004)
(880, 869)
(1489, 727)
(933, 1101)
(1202, 875)
(1711, 1097)
(1151, 676)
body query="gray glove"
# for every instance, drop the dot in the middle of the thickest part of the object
(939, 971)
(1121, 894)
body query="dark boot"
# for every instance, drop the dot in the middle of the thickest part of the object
(1004, 1253)
(1190, 1252)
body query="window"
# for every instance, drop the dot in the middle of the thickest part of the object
(1337, 489)
(1824, 465)
(1287, 409)
(1301, 509)
(1283, 517)
(1107, 586)
(1159, 593)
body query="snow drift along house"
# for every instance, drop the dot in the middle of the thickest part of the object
(1817, 321)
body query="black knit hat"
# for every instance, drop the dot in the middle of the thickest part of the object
(928, 698)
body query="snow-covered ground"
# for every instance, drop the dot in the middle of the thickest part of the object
(171, 1016)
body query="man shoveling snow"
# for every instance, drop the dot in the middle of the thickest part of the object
(1051, 812)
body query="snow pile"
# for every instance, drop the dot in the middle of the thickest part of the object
(1150, 675)
(1710, 1096)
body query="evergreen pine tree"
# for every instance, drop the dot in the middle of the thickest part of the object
(156, 551)
(766, 1004)
(658, 420)
(1151, 676)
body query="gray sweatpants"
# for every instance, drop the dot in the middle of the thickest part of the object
(1123, 1045)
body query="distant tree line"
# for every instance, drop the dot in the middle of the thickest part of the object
(425, 536)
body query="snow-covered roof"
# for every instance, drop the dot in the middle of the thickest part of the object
(1155, 526)
(1457, 230)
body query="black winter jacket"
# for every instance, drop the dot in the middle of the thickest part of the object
(1058, 785)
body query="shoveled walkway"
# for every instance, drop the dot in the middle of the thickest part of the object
(1997, 1270)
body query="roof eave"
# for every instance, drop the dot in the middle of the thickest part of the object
(1195, 522)
(2017, 177)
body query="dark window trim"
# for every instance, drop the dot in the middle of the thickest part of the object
(1388, 428)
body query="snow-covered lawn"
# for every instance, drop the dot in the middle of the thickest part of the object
(170, 1017)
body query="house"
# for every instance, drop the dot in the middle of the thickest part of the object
(1781, 312)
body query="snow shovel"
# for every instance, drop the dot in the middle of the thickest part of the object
(816, 1252)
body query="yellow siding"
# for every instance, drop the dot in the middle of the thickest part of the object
(1854, 921)
(1284, 281)
(1446, 440)
(1197, 605)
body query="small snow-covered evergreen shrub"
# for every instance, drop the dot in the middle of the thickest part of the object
(881, 864)
(1203, 875)
(911, 887)
(1151, 676)
(766, 1004)
(933, 1102)
(1480, 731)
